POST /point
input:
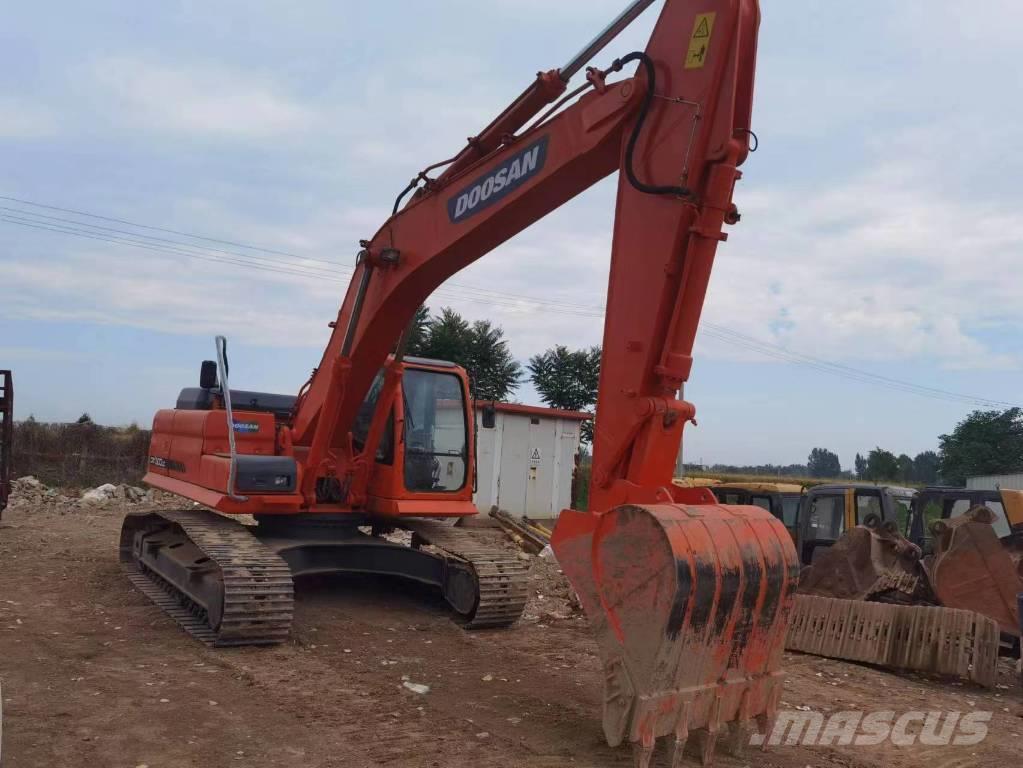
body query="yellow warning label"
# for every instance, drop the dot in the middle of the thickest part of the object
(699, 43)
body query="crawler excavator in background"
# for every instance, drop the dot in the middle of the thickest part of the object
(689, 599)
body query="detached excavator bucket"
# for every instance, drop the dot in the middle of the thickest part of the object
(972, 569)
(869, 562)
(690, 605)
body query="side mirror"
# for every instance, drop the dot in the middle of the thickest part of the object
(488, 416)
(208, 374)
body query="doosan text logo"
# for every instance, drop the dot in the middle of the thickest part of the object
(501, 181)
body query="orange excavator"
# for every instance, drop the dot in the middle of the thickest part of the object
(367, 466)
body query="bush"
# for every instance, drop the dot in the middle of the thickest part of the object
(82, 454)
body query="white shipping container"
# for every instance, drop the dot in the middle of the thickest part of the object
(1012, 482)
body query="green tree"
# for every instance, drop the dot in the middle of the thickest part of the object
(479, 347)
(861, 467)
(984, 443)
(905, 474)
(495, 372)
(420, 330)
(823, 463)
(568, 379)
(882, 465)
(447, 338)
(925, 468)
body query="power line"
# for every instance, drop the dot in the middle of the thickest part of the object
(63, 221)
(767, 348)
(453, 290)
(182, 233)
(151, 246)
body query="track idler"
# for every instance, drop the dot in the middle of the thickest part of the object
(972, 569)
(690, 605)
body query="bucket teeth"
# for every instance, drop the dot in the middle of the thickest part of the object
(690, 604)
(739, 733)
(643, 751)
(680, 752)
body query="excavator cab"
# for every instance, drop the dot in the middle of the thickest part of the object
(780, 499)
(424, 447)
(973, 546)
(943, 503)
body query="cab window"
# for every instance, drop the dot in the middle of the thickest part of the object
(790, 510)
(1001, 525)
(868, 503)
(826, 517)
(364, 418)
(436, 448)
(901, 508)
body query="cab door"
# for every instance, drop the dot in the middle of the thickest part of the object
(822, 520)
(866, 503)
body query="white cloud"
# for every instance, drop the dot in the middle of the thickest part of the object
(882, 267)
(204, 101)
(22, 120)
(177, 296)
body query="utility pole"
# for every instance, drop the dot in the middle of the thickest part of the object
(680, 466)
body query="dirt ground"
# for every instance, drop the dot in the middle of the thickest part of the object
(94, 675)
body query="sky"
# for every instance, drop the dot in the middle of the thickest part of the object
(881, 226)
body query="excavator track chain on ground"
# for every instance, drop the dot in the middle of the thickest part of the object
(942, 641)
(256, 591)
(501, 576)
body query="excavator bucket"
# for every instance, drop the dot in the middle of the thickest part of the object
(972, 569)
(690, 605)
(869, 562)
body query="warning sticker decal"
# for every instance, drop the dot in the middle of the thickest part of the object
(699, 43)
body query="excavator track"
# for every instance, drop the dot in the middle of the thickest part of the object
(256, 592)
(931, 639)
(501, 576)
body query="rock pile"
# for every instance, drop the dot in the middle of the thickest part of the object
(550, 595)
(30, 492)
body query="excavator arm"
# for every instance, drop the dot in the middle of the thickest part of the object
(678, 130)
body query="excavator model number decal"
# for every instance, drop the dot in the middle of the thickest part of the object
(168, 464)
(699, 42)
(499, 182)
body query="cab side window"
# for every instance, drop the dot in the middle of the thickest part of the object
(868, 503)
(827, 517)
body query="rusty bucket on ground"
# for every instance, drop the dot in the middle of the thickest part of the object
(869, 562)
(690, 605)
(971, 568)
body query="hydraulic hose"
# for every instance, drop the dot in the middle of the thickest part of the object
(630, 149)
